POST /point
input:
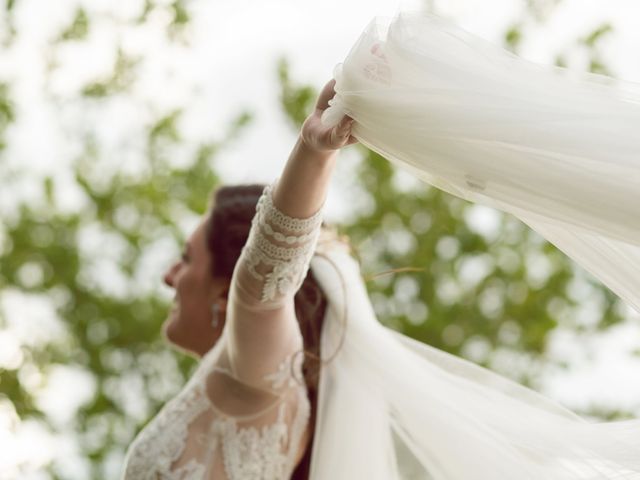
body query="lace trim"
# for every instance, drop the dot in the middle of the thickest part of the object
(276, 252)
(290, 239)
(289, 264)
(276, 217)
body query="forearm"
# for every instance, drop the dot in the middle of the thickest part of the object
(302, 187)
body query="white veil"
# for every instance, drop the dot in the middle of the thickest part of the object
(391, 408)
(560, 150)
(557, 150)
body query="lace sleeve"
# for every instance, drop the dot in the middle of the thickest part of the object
(277, 252)
(263, 328)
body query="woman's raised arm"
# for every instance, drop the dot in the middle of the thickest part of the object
(262, 326)
(302, 187)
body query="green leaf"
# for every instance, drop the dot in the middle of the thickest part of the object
(597, 34)
(79, 28)
(513, 37)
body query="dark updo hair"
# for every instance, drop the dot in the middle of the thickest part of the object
(227, 229)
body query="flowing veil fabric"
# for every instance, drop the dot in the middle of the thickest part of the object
(557, 150)
(392, 408)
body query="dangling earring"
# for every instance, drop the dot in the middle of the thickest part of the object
(215, 309)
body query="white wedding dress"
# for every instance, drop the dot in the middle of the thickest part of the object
(243, 413)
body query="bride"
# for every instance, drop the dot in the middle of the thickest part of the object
(250, 308)
(298, 379)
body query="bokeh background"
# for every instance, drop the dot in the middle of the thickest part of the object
(117, 120)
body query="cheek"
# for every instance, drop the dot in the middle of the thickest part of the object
(191, 288)
(184, 283)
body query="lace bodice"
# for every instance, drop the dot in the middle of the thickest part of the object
(243, 413)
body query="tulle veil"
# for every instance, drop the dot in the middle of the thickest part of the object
(556, 149)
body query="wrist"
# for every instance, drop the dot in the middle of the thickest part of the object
(308, 151)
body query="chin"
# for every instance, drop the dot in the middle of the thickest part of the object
(172, 332)
(168, 330)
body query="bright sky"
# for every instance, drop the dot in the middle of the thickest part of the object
(230, 63)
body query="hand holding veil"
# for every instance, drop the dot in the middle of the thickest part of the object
(555, 149)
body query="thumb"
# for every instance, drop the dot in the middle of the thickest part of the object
(326, 94)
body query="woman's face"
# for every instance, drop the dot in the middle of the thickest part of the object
(188, 325)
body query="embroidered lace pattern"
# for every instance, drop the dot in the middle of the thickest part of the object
(161, 442)
(247, 453)
(257, 454)
(282, 267)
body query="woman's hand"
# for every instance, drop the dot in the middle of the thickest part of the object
(323, 139)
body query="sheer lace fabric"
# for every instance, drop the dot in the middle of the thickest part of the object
(243, 414)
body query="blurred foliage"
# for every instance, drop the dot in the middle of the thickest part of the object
(79, 28)
(597, 34)
(7, 115)
(297, 101)
(107, 335)
(115, 337)
(537, 14)
(541, 10)
(7, 15)
(513, 37)
(120, 80)
(502, 319)
(180, 14)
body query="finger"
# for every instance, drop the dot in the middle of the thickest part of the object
(344, 127)
(326, 94)
(343, 130)
(345, 121)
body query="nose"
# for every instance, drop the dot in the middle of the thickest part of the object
(168, 276)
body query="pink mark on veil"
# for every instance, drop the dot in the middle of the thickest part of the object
(378, 71)
(376, 49)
